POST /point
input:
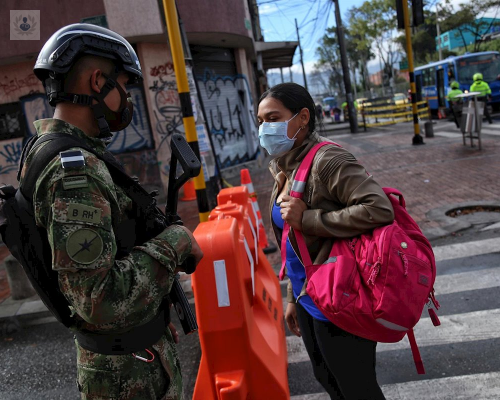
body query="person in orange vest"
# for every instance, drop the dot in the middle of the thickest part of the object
(341, 200)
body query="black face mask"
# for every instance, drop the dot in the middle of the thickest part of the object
(118, 120)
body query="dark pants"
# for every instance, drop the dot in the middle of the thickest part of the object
(343, 363)
(486, 112)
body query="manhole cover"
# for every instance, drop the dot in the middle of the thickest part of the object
(457, 212)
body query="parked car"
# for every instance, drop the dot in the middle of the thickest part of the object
(400, 98)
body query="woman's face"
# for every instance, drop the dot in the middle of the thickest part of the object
(273, 110)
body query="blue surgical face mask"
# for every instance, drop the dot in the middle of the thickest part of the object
(274, 138)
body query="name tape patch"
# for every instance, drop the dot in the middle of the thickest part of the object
(72, 159)
(75, 182)
(83, 213)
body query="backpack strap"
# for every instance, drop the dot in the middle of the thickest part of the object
(297, 190)
(388, 191)
(419, 364)
(58, 142)
(44, 156)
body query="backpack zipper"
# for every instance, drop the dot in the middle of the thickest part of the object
(405, 262)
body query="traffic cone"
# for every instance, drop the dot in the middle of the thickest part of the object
(189, 194)
(263, 242)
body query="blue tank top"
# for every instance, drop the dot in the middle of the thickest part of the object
(296, 272)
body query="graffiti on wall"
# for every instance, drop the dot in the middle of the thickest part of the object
(167, 110)
(10, 153)
(137, 135)
(231, 117)
(12, 85)
(35, 106)
(11, 121)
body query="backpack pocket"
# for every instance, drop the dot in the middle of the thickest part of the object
(406, 290)
(332, 286)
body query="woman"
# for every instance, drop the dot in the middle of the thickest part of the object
(340, 200)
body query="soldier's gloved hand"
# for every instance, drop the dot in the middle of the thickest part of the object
(196, 253)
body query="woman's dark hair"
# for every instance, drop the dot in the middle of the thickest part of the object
(294, 97)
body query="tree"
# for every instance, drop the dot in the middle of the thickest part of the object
(329, 61)
(376, 21)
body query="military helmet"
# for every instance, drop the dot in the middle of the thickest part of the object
(455, 85)
(477, 77)
(68, 44)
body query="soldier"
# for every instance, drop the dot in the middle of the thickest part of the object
(114, 286)
(481, 86)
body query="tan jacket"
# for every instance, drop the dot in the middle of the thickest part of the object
(342, 199)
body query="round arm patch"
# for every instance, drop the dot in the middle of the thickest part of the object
(84, 246)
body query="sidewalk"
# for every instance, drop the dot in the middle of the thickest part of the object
(435, 177)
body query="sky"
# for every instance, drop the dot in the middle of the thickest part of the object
(277, 19)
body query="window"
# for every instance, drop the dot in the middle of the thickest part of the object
(451, 72)
(429, 77)
(487, 64)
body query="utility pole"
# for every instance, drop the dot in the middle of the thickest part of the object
(301, 55)
(353, 119)
(291, 75)
(438, 34)
(417, 138)
(281, 73)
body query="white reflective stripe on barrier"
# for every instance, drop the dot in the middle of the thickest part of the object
(249, 186)
(221, 283)
(255, 208)
(255, 239)
(252, 265)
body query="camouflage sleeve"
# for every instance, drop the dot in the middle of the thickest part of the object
(78, 209)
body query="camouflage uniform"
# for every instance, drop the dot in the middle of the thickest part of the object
(80, 208)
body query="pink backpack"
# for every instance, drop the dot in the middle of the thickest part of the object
(377, 284)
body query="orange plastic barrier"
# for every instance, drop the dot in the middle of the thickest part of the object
(262, 237)
(239, 308)
(189, 191)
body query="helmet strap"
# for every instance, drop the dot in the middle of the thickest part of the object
(56, 95)
(98, 109)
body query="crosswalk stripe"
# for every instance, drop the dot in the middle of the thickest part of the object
(448, 134)
(468, 327)
(467, 249)
(489, 131)
(464, 281)
(466, 387)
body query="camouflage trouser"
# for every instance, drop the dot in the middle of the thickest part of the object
(126, 378)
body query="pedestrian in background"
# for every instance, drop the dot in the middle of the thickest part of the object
(114, 281)
(481, 86)
(341, 201)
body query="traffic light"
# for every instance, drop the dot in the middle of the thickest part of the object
(400, 15)
(418, 12)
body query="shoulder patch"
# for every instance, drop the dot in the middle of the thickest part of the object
(75, 182)
(72, 159)
(83, 213)
(84, 246)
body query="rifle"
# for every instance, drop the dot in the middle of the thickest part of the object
(182, 153)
